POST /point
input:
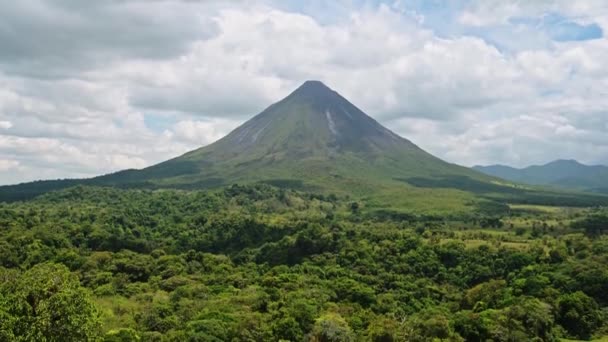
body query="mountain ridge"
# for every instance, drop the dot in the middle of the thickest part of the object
(563, 173)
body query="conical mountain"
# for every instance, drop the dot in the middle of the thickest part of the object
(312, 121)
(314, 138)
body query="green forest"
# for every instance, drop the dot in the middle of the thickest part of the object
(259, 263)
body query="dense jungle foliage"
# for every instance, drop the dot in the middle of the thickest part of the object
(257, 263)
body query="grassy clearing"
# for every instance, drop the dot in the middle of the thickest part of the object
(476, 243)
(539, 208)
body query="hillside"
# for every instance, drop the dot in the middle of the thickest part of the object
(559, 173)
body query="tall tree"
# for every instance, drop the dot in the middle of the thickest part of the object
(47, 303)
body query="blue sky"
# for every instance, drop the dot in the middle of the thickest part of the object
(443, 17)
(93, 87)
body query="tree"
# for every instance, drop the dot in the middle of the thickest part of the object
(431, 324)
(536, 318)
(288, 328)
(354, 207)
(384, 330)
(46, 303)
(486, 295)
(6, 321)
(122, 335)
(594, 225)
(579, 314)
(331, 327)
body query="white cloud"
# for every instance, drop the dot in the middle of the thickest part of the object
(6, 165)
(200, 133)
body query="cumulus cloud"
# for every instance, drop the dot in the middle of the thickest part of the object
(6, 165)
(90, 88)
(201, 132)
(56, 38)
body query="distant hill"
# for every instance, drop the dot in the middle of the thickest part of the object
(316, 140)
(560, 173)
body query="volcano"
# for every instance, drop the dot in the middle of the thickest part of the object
(314, 140)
